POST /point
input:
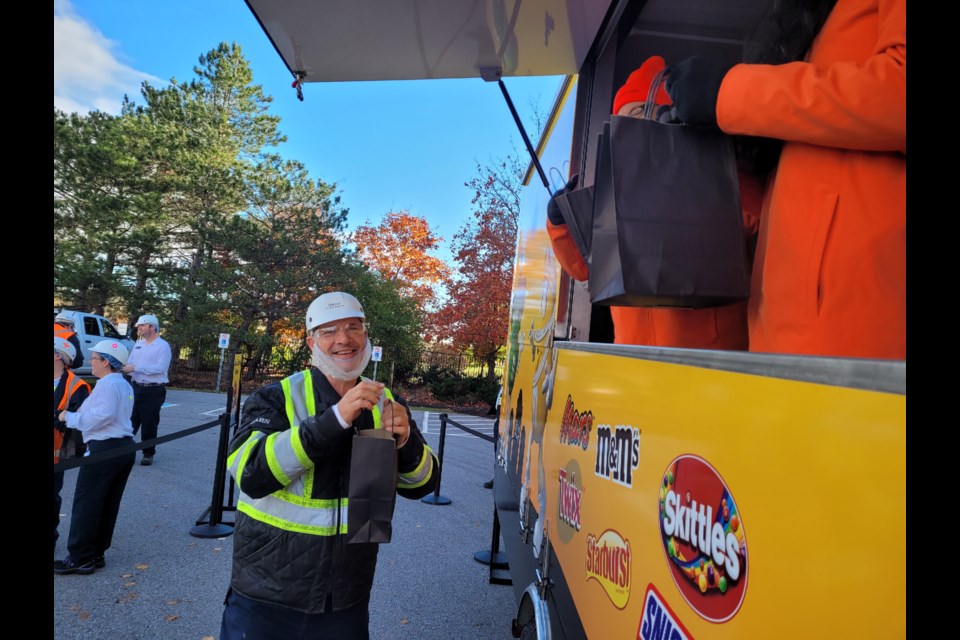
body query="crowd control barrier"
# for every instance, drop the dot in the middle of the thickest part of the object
(493, 557)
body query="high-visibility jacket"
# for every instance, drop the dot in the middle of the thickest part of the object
(291, 461)
(830, 276)
(70, 393)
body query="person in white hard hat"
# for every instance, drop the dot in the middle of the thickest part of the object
(69, 392)
(147, 367)
(294, 575)
(63, 327)
(104, 420)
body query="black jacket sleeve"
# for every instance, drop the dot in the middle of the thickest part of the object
(411, 456)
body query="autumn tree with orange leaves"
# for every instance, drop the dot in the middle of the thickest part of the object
(476, 314)
(397, 249)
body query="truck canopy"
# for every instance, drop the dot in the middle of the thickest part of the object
(336, 41)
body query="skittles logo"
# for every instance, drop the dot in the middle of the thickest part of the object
(703, 538)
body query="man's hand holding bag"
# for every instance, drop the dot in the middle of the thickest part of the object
(373, 484)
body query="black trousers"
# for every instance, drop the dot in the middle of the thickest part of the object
(246, 618)
(96, 501)
(146, 412)
(57, 501)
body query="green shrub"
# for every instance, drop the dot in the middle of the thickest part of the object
(451, 387)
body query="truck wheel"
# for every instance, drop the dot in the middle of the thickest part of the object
(529, 631)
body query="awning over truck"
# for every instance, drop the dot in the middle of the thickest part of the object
(340, 40)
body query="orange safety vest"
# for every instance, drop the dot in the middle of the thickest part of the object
(60, 331)
(72, 383)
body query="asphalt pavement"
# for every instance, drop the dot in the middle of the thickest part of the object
(161, 583)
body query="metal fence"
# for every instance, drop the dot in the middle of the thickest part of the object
(201, 373)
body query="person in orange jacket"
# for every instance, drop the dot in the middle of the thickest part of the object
(69, 392)
(829, 276)
(710, 328)
(63, 328)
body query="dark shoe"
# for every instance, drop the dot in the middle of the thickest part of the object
(68, 566)
(99, 562)
(146, 461)
(488, 484)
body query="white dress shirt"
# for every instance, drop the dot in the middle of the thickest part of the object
(151, 359)
(106, 413)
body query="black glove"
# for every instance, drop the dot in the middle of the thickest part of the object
(693, 86)
(553, 211)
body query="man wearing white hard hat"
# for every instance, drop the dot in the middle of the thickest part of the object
(147, 367)
(104, 420)
(294, 575)
(69, 392)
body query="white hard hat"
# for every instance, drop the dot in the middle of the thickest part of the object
(331, 307)
(112, 348)
(65, 349)
(148, 319)
(63, 317)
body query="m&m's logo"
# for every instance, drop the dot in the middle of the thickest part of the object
(703, 538)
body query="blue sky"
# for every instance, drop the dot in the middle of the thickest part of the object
(398, 145)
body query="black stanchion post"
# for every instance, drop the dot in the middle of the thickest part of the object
(214, 528)
(494, 557)
(436, 498)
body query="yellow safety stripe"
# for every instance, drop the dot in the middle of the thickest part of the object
(308, 393)
(419, 476)
(375, 410)
(318, 522)
(288, 401)
(298, 449)
(275, 467)
(238, 459)
(291, 508)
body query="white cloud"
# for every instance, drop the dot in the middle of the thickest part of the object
(87, 74)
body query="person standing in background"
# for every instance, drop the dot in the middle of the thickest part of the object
(69, 392)
(63, 328)
(147, 367)
(104, 420)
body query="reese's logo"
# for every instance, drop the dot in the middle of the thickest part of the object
(575, 427)
(618, 453)
(703, 538)
(609, 562)
(569, 501)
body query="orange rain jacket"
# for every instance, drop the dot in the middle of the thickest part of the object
(829, 276)
(712, 328)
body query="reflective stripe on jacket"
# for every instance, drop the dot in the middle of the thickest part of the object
(291, 460)
(71, 383)
(292, 507)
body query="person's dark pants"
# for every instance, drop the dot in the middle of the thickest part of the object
(96, 501)
(147, 400)
(252, 620)
(57, 501)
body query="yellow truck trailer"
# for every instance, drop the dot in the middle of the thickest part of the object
(645, 492)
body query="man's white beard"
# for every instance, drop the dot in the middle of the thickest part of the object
(331, 367)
